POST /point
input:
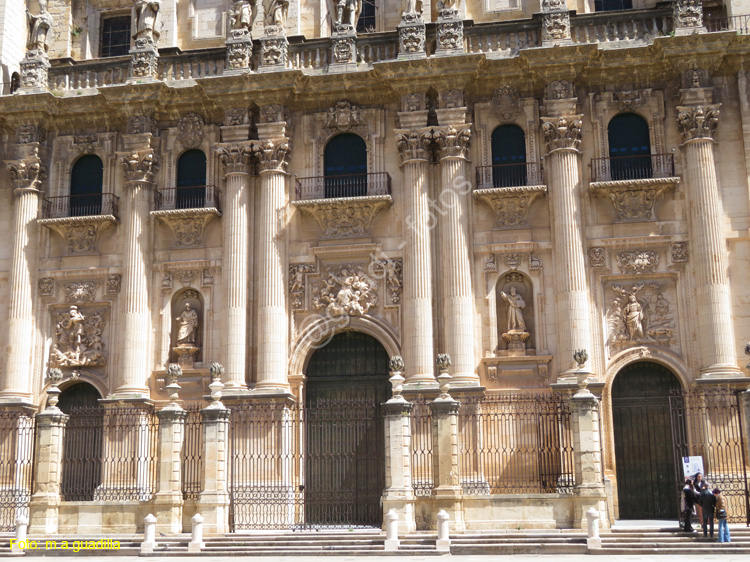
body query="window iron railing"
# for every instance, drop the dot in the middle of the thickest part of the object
(740, 24)
(193, 197)
(510, 175)
(90, 205)
(621, 168)
(347, 185)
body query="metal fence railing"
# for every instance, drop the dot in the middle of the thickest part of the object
(192, 454)
(349, 185)
(740, 24)
(510, 175)
(193, 197)
(421, 448)
(632, 167)
(91, 205)
(16, 466)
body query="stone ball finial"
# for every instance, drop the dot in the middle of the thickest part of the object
(443, 361)
(580, 356)
(396, 364)
(216, 370)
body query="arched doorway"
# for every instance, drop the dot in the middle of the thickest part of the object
(644, 456)
(82, 445)
(347, 380)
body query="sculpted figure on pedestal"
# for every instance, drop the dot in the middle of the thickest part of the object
(411, 7)
(39, 26)
(188, 326)
(633, 314)
(145, 20)
(242, 15)
(275, 12)
(345, 14)
(516, 305)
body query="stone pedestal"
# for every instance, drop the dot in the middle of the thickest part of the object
(516, 342)
(398, 494)
(144, 62)
(343, 50)
(450, 33)
(34, 72)
(411, 37)
(213, 502)
(687, 16)
(239, 52)
(446, 493)
(168, 500)
(186, 355)
(45, 503)
(274, 48)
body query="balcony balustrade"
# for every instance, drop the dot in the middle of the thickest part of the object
(621, 168)
(349, 185)
(509, 175)
(740, 24)
(193, 197)
(95, 204)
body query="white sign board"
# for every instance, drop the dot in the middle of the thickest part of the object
(691, 466)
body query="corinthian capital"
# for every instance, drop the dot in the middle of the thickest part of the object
(140, 166)
(27, 173)
(698, 121)
(562, 132)
(452, 141)
(235, 158)
(273, 155)
(414, 144)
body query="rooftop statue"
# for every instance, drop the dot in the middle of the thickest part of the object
(39, 26)
(345, 13)
(411, 6)
(145, 20)
(243, 13)
(274, 13)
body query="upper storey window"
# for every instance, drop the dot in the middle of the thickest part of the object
(629, 147)
(86, 180)
(345, 166)
(115, 36)
(191, 180)
(366, 21)
(508, 156)
(612, 5)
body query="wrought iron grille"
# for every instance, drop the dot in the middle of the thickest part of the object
(510, 175)
(516, 443)
(421, 448)
(348, 185)
(16, 464)
(94, 204)
(707, 422)
(632, 167)
(192, 454)
(110, 454)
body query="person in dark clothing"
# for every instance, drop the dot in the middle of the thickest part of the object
(688, 502)
(708, 502)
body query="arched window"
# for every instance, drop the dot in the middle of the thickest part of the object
(191, 180)
(345, 166)
(366, 21)
(86, 180)
(629, 147)
(508, 156)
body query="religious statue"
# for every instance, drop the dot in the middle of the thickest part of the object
(274, 13)
(188, 326)
(633, 314)
(345, 14)
(411, 7)
(39, 27)
(242, 15)
(516, 305)
(449, 4)
(145, 20)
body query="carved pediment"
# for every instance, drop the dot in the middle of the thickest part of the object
(80, 233)
(510, 204)
(346, 216)
(634, 200)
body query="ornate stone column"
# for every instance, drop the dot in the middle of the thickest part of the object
(139, 167)
(454, 209)
(697, 124)
(235, 159)
(414, 145)
(273, 153)
(562, 133)
(26, 176)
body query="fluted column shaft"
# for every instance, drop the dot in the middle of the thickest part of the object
(273, 318)
(417, 342)
(455, 250)
(235, 267)
(17, 383)
(134, 373)
(710, 257)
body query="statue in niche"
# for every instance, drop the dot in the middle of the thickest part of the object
(188, 326)
(345, 14)
(39, 27)
(185, 335)
(516, 304)
(145, 20)
(275, 12)
(633, 314)
(242, 14)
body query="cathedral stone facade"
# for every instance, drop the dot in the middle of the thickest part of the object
(532, 218)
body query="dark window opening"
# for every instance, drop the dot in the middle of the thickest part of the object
(629, 147)
(86, 180)
(508, 156)
(191, 180)
(15, 82)
(366, 21)
(612, 5)
(345, 166)
(115, 40)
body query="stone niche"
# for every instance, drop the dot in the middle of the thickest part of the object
(515, 315)
(186, 340)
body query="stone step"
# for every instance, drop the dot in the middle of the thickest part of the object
(519, 548)
(665, 550)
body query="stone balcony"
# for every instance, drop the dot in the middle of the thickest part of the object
(509, 190)
(80, 219)
(187, 211)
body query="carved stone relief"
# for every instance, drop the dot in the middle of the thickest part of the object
(512, 261)
(29, 132)
(535, 263)
(190, 130)
(638, 262)
(628, 100)
(506, 103)
(343, 116)
(678, 252)
(80, 233)
(510, 204)
(634, 200)
(46, 287)
(79, 337)
(208, 278)
(114, 282)
(140, 124)
(297, 284)
(345, 290)
(81, 291)
(489, 263)
(187, 225)
(559, 90)
(234, 116)
(390, 270)
(640, 315)
(696, 122)
(345, 217)
(597, 257)
(562, 132)
(688, 13)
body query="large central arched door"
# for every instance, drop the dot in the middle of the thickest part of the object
(347, 380)
(644, 456)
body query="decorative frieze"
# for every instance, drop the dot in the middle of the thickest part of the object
(698, 122)
(81, 291)
(640, 315)
(140, 166)
(562, 132)
(452, 142)
(638, 262)
(190, 130)
(346, 216)
(678, 252)
(634, 200)
(511, 204)
(79, 338)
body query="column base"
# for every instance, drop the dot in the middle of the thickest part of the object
(449, 499)
(403, 502)
(273, 388)
(44, 514)
(214, 508)
(720, 371)
(168, 512)
(13, 399)
(586, 498)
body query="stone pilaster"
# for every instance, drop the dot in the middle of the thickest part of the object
(239, 51)
(688, 17)
(450, 33)
(417, 346)
(446, 493)
(272, 153)
(34, 72)
(26, 175)
(213, 502)
(562, 134)
(140, 168)
(455, 249)
(710, 260)
(45, 503)
(555, 23)
(144, 61)
(168, 500)
(398, 493)
(411, 36)
(235, 159)
(589, 476)
(274, 49)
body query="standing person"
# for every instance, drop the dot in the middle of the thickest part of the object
(697, 483)
(721, 515)
(708, 503)
(688, 504)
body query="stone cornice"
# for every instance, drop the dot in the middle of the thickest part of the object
(510, 204)
(345, 216)
(634, 200)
